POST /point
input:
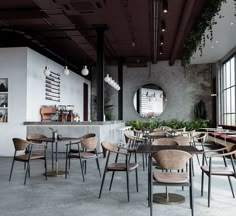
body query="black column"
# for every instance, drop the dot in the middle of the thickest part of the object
(120, 93)
(100, 71)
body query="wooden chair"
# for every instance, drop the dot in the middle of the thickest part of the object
(198, 141)
(132, 143)
(182, 140)
(86, 151)
(172, 160)
(218, 169)
(124, 166)
(24, 153)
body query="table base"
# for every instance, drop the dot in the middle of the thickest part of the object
(172, 198)
(55, 173)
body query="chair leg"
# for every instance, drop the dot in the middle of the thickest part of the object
(26, 171)
(150, 196)
(66, 166)
(202, 183)
(103, 179)
(113, 173)
(46, 169)
(136, 175)
(82, 170)
(52, 157)
(143, 161)
(85, 167)
(127, 179)
(98, 167)
(209, 190)
(12, 165)
(231, 186)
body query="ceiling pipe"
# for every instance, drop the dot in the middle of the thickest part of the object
(181, 32)
(154, 29)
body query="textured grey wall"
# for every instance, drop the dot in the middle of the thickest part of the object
(183, 87)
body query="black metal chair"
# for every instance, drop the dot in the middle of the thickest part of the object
(219, 170)
(172, 160)
(28, 153)
(86, 150)
(124, 166)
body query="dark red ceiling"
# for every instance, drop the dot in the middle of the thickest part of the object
(65, 29)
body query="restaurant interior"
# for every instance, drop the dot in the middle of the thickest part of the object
(103, 100)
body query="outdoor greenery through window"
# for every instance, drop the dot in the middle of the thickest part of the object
(227, 93)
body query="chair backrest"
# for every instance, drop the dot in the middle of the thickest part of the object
(181, 140)
(20, 144)
(158, 133)
(166, 128)
(200, 137)
(165, 141)
(137, 133)
(192, 133)
(86, 136)
(90, 143)
(172, 159)
(35, 136)
(109, 146)
(157, 130)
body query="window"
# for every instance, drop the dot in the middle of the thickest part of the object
(227, 93)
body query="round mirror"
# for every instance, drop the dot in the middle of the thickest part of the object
(150, 101)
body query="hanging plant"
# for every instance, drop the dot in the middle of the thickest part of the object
(197, 37)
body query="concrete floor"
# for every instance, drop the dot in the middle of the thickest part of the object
(59, 196)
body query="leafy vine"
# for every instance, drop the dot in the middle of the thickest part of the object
(197, 35)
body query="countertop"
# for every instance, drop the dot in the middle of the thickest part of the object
(71, 123)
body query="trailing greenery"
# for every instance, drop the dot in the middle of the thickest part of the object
(205, 21)
(200, 110)
(174, 124)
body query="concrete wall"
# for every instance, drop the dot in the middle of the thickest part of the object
(183, 87)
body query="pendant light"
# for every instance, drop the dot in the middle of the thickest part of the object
(66, 71)
(46, 71)
(85, 71)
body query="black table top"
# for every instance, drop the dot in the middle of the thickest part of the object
(155, 148)
(50, 139)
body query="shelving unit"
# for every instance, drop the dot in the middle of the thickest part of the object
(3, 100)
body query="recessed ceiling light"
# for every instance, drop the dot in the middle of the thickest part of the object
(217, 41)
(212, 47)
(231, 23)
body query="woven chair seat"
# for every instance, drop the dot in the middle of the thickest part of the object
(218, 170)
(170, 177)
(121, 166)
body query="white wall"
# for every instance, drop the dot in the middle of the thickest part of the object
(13, 67)
(71, 86)
(26, 83)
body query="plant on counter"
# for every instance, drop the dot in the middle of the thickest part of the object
(175, 124)
(197, 35)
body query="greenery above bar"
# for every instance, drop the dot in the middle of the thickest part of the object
(174, 124)
(197, 35)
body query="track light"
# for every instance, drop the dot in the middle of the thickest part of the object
(111, 82)
(160, 50)
(161, 40)
(46, 71)
(165, 6)
(85, 71)
(66, 71)
(163, 26)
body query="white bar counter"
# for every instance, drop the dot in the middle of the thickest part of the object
(107, 130)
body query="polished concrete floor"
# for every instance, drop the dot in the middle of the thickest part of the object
(59, 196)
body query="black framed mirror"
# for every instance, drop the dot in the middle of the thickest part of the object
(150, 101)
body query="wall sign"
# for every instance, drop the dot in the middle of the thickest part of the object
(52, 87)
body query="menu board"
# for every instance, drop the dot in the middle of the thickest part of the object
(52, 87)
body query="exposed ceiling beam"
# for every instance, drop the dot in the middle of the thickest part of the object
(154, 29)
(181, 30)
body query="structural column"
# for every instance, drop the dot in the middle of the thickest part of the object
(120, 93)
(100, 71)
